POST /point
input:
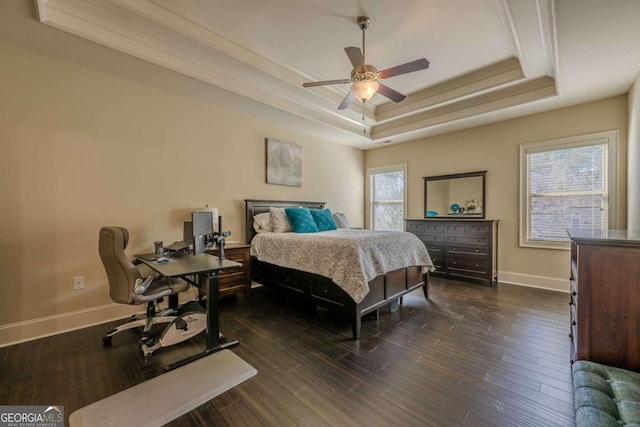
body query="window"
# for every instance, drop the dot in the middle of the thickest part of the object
(566, 183)
(387, 197)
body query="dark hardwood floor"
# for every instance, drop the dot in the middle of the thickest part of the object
(471, 356)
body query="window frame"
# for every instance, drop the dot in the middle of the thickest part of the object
(384, 169)
(607, 137)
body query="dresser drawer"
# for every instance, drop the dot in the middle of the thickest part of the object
(415, 227)
(480, 250)
(466, 240)
(231, 285)
(465, 262)
(433, 228)
(432, 248)
(431, 238)
(454, 228)
(573, 345)
(436, 254)
(478, 229)
(231, 274)
(436, 258)
(235, 256)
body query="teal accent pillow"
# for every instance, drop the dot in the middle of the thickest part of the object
(324, 219)
(301, 220)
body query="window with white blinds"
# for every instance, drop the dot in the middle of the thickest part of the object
(565, 184)
(387, 197)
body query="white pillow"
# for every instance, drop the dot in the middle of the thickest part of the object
(341, 220)
(262, 223)
(279, 220)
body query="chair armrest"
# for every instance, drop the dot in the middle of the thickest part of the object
(141, 286)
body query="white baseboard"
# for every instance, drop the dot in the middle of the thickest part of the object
(15, 333)
(534, 281)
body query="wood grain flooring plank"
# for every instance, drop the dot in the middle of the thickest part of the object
(471, 355)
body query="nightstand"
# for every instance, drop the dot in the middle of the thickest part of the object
(235, 280)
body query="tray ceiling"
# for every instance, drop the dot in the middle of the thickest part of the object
(490, 59)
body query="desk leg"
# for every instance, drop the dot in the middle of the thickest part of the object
(213, 317)
(215, 340)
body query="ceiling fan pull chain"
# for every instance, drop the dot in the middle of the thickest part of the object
(364, 127)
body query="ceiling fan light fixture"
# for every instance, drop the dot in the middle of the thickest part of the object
(364, 89)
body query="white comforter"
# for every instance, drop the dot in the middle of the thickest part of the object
(351, 258)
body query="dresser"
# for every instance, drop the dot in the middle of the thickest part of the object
(605, 297)
(464, 249)
(235, 280)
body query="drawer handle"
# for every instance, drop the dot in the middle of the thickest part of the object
(453, 249)
(325, 291)
(478, 240)
(477, 250)
(454, 263)
(477, 265)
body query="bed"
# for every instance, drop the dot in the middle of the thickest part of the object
(387, 287)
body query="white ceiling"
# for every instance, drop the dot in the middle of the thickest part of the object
(490, 60)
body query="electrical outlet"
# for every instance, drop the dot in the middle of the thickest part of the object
(78, 282)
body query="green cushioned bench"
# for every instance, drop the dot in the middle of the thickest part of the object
(605, 396)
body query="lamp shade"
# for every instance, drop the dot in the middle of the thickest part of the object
(364, 89)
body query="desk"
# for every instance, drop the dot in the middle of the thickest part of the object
(206, 267)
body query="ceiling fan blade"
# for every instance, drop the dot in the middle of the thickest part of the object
(355, 56)
(409, 67)
(326, 82)
(346, 101)
(390, 93)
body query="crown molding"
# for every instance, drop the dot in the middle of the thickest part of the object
(528, 91)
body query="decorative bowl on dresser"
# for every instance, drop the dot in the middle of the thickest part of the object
(464, 249)
(235, 280)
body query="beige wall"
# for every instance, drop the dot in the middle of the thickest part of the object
(495, 148)
(81, 149)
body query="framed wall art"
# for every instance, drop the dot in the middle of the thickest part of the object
(284, 163)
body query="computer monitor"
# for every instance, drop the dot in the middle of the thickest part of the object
(202, 231)
(202, 223)
(187, 232)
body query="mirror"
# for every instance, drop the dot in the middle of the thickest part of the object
(455, 196)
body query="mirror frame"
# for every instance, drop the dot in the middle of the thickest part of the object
(482, 174)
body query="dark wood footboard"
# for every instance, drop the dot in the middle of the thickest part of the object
(322, 291)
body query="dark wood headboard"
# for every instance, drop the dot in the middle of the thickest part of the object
(254, 207)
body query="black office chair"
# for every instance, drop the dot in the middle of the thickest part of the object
(135, 284)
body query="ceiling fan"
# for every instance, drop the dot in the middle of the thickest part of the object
(365, 78)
